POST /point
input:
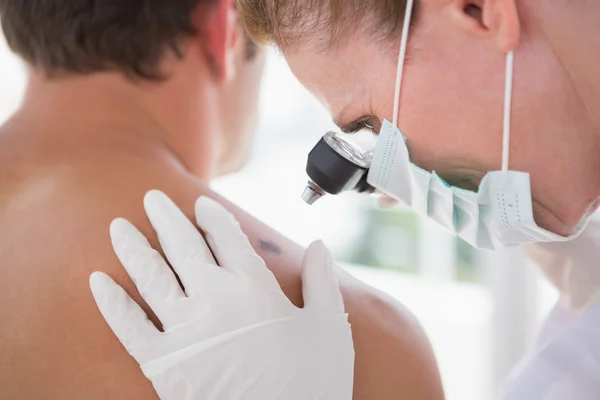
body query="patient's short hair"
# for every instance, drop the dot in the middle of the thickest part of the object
(289, 22)
(85, 36)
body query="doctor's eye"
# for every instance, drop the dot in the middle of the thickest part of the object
(368, 124)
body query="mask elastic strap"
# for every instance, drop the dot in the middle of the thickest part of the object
(402, 59)
(510, 60)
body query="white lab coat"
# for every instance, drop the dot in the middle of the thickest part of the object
(564, 363)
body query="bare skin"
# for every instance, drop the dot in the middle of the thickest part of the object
(453, 87)
(71, 165)
(83, 150)
(56, 209)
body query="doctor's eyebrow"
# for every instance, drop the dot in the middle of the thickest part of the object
(348, 127)
(356, 125)
(340, 120)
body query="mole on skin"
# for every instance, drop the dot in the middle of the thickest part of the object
(270, 247)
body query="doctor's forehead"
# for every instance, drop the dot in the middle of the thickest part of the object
(331, 83)
(353, 72)
(341, 93)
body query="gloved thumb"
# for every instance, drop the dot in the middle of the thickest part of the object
(320, 286)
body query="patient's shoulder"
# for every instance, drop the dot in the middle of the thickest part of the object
(68, 235)
(52, 333)
(394, 359)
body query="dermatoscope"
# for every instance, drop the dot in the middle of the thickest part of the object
(336, 165)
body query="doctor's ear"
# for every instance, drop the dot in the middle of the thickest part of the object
(495, 19)
(219, 35)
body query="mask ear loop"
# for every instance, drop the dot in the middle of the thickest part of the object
(510, 60)
(402, 59)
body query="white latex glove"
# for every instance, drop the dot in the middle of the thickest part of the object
(232, 334)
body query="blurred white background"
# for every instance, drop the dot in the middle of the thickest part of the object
(480, 309)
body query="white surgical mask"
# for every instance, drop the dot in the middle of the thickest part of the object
(499, 215)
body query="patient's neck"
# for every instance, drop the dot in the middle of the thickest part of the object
(106, 113)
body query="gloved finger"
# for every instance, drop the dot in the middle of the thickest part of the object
(182, 243)
(320, 286)
(229, 243)
(152, 276)
(124, 316)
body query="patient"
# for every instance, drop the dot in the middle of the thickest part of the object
(124, 97)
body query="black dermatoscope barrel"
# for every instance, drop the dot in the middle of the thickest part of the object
(335, 165)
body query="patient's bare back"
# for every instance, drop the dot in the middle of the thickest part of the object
(54, 233)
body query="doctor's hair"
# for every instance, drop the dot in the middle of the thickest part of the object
(286, 23)
(63, 37)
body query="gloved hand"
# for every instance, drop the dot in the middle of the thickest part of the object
(230, 333)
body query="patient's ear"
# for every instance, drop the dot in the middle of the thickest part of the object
(218, 32)
(497, 20)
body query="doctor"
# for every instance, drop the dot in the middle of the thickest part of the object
(511, 166)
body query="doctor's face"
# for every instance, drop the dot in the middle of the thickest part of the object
(451, 104)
